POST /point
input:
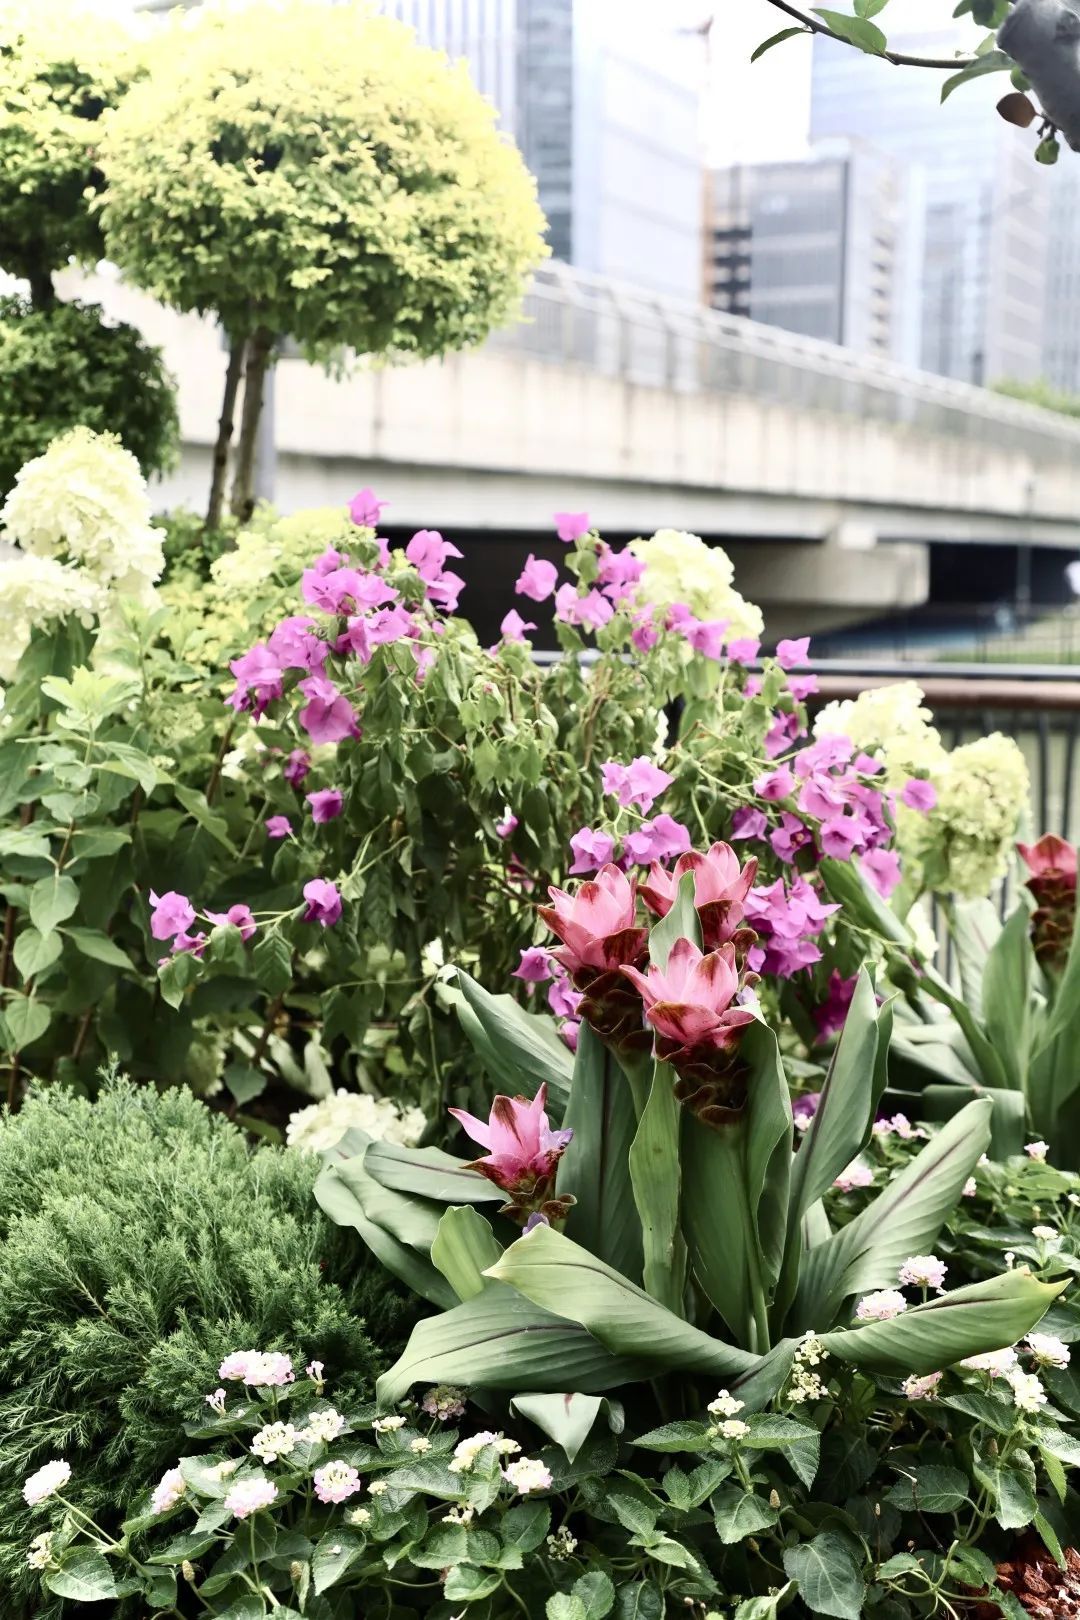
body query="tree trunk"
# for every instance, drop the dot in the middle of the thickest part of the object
(233, 373)
(42, 291)
(259, 357)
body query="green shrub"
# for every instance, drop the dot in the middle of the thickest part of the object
(67, 367)
(140, 1241)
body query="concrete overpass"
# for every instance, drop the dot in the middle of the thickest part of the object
(825, 473)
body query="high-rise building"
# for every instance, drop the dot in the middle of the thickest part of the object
(986, 209)
(1061, 332)
(820, 245)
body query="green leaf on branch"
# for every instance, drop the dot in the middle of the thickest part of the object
(271, 957)
(24, 1021)
(931, 1489)
(52, 901)
(855, 30)
(596, 1593)
(992, 62)
(99, 947)
(84, 1576)
(829, 1573)
(776, 39)
(34, 952)
(738, 1513)
(175, 975)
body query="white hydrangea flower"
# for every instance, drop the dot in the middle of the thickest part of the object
(881, 1306)
(37, 593)
(321, 1126)
(681, 567)
(1048, 1350)
(891, 722)
(466, 1451)
(275, 1440)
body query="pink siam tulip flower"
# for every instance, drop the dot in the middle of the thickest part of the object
(537, 579)
(749, 823)
(278, 827)
(591, 850)
(570, 526)
(513, 626)
(657, 840)
(690, 1002)
(744, 649)
(1050, 857)
(365, 510)
(327, 716)
(295, 645)
(596, 924)
(297, 767)
(918, 794)
(535, 965)
(523, 1152)
(325, 805)
(172, 914)
(640, 783)
(1052, 864)
(239, 916)
(791, 653)
(721, 886)
(323, 903)
(257, 672)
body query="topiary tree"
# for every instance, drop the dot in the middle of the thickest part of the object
(60, 68)
(306, 170)
(68, 366)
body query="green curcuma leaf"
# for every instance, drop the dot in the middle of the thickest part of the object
(429, 1173)
(566, 1419)
(1007, 996)
(520, 1050)
(974, 926)
(903, 1220)
(594, 1169)
(655, 1174)
(345, 1200)
(463, 1247)
(967, 1321)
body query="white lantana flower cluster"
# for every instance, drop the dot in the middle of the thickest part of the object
(321, 1126)
(806, 1383)
(681, 567)
(81, 513)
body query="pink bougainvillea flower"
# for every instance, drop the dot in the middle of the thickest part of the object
(513, 626)
(562, 998)
(365, 509)
(744, 649)
(535, 965)
(592, 610)
(172, 914)
(507, 825)
(278, 827)
(782, 733)
(792, 835)
(428, 552)
(773, 785)
(194, 944)
(596, 923)
(691, 1000)
(570, 526)
(787, 921)
(640, 783)
(882, 867)
(841, 835)
(802, 686)
(867, 765)
(591, 850)
(721, 886)
(239, 916)
(295, 645)
(707, 637)
(345, 590)
(827, 751)
(537, 579)
(446, 591)
(297, 767)
(749, 823)
(522, 1148)
(644, 634)
(919, 794)
(618, 573)
(830, 1016)
(657, 840)
(325, 805)
(323, 903)
(327, 716)
(790, 653)
(258, 680)
(1050, 856)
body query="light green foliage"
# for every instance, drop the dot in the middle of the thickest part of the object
(309, 170)
(69, 366)
(140, 1242)
(60, 68)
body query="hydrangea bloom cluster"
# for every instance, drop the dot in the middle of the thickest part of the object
(320, 1126)
(680, 569)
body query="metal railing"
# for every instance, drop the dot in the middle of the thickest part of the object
(627, 332)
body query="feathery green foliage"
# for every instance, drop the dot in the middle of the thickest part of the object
(140, 1241)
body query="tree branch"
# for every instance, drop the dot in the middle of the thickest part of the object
(897, 58)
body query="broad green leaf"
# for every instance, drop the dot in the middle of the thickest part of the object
(52, 901)
(467, 1585)
(639, 1600)
(775, 39)
(735, 1194)
(25, 1021)
(800, 1442)
(89, 843)
(930, 1488)
(964, 1322)
(566, 1419)
(655, 1175)
(681, 922)
(862, 902)
(564, 1606)
(856, 30)
(525, 1525)
(596, 1593)
(343, 1202)
(975, 927)
(271, 958)
(503, 1341)
(176, 974)
(1008, 1122)
(903, 1220)
(429, 1173)
(84, 1576)
(595, 1167)
(1007, 996)
(685, 1434)
(829, 1573)
(762, 1608)
(333, 1555)
(31, 842)
(558, 1275)
(738, 1513)
(99, 947)
(992, 62)
(990, 1068)
(520, 1050)
(34, 952)
(463, 1247)
(194, 802)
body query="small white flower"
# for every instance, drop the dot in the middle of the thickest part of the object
(561, 1544)
(527, 1474)
(880, 1307)
(384, 1425)
(324, 1426)
(420, 1445)
(1074, 1200)
(1047, 1350)
(466, 1451)
(995, 1363)
(250, 1496)
(462, 1514)
(39, 1553)
(1045, 1234)
(378, 1487)
(46, 1482)
(725, 1405)
(275, 1440)
(1028, 1393)
(921, 1389)
(314, 1370)
(168, 1491)
(734, 1428)
(923, 1271)
(1037, 1151)
(856, 1175)
(358, 1516)
(1010, 1259)
(970, 1188)
(217, 1400)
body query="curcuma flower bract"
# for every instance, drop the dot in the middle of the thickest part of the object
(523, 1153)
